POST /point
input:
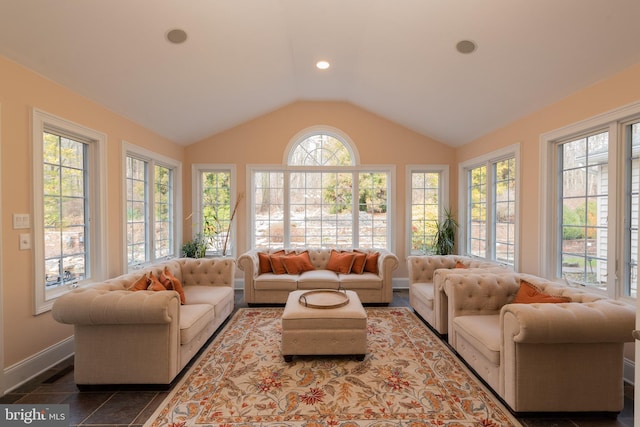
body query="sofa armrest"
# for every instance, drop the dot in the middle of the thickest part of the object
(600, 321)
(248, 262)
(387, 263)
(102, 307)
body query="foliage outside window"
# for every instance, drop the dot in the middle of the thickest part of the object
(490, 204)
(216, 209)
(477, 220)
(590, 191)
(69, 201)
(65, 203)
(427, 199)
(215, 205)
(320, 199)
(150, 207)
(584, 200)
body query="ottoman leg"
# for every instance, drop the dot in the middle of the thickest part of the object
(360, 357)
(288, 358)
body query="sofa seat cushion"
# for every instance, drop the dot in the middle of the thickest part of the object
(211, 295)
(483, 332)
(193, 319)
(280, 282)
(424, 292)
(318, 279)
(360, 281)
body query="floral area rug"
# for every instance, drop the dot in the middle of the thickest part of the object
(408, 378)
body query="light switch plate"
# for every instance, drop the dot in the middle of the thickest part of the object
(25, 241)
(21, 221)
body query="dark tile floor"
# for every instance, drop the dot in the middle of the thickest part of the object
(132, 406)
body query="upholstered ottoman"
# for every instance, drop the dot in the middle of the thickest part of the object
(323, 331)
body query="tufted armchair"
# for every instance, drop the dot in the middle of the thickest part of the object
(541, 357)
(146, 337)
(426, 275)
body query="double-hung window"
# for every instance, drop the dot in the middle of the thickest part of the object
(489, 192)
(321, 197)
(589, 232)
(69, 202)
(151, 207)
(427, 194)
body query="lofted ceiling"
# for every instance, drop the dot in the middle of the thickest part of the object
(398, 59)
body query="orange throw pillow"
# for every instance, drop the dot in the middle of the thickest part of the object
(371, 264)
(140, 285)
(264, 261)
(528, 294)
(341, 262)
(277, 266)
(177, 286)
(358, 262)
(297, 263)
(155, 284)
(166, 281)
(460, 265)
(264, 264)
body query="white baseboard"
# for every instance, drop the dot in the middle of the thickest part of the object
(25, 370)
(400, 283)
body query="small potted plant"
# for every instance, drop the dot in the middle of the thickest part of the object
(444, 240)
(196, 247)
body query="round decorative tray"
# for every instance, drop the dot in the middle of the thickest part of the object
(324, 298)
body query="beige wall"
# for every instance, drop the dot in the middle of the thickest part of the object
(265, 140)
(25, 335)
(616, 91)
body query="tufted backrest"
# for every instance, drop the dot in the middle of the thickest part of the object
(422, 267)
(207, 271)
(480, 293)
(319, 257)
(190, 271)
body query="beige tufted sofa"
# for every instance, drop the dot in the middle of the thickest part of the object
(426, 274)
(552, 357)
(270, 288)
(146, 337)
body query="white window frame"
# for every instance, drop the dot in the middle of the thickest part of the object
(612, 122)
(196, 204)
(152, 158)
(488, 160)
(96, 268)
(355, 168)
(252, 169)
(443, 194)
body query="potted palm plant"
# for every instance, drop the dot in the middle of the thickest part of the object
(444, 240)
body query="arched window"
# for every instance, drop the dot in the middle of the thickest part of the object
(320, 150)
(321, 197)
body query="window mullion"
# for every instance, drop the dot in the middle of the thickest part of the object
(150, 192)
(356, 208)
(286, 215)
(490, 249)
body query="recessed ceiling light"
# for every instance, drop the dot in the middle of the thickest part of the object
(466, 46)
(177, 36)
(322, 65)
